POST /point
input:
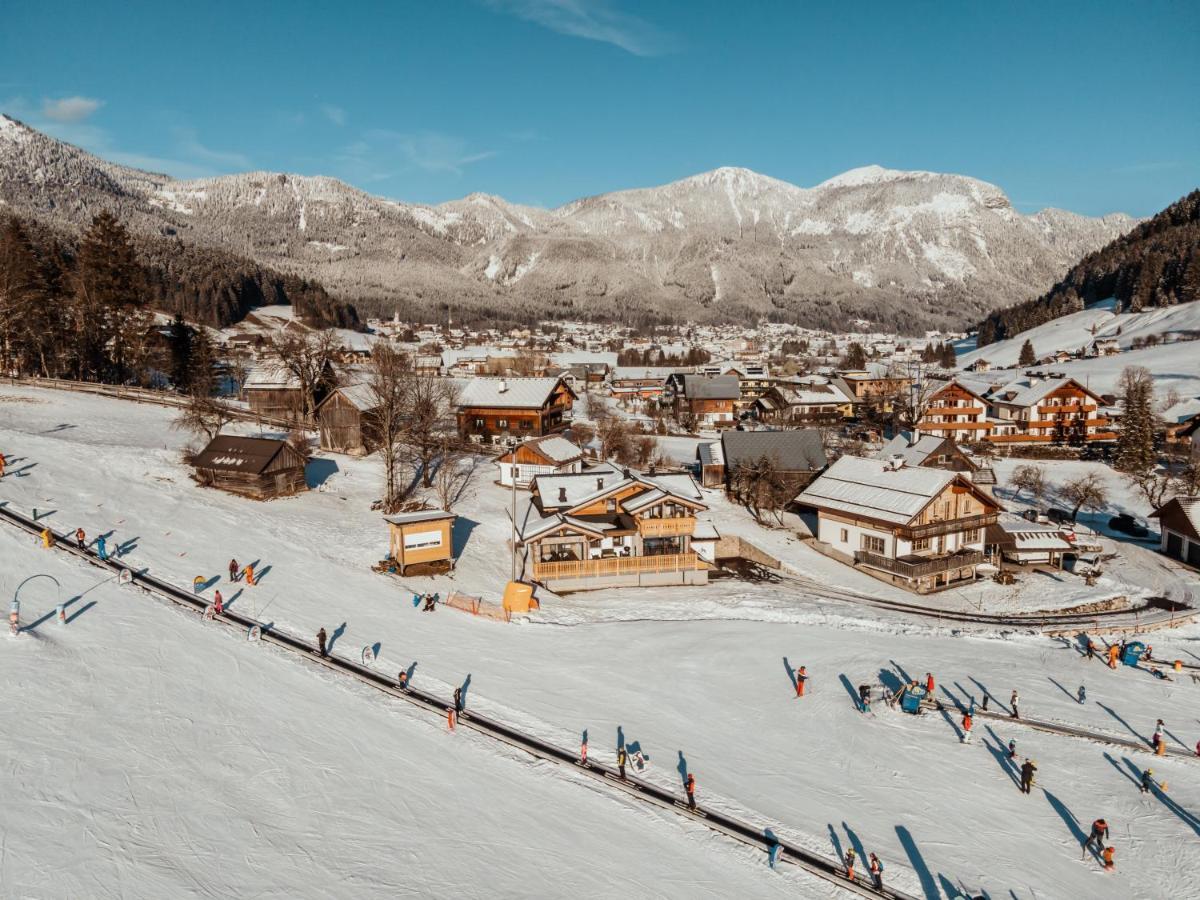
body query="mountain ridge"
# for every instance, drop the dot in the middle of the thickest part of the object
(904, 249)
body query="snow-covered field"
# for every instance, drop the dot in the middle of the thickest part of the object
(1175, 365)
(148, 754)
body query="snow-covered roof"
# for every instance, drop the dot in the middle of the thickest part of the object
(716, 387)
(811, 394)
(360, 396)
(643, 373)
(705, 531)
(791, 451)
(871, 488)
(555, 448)
(1028, 391)
(508, 393)
(270, 375)
(421, 515)
(710, 453)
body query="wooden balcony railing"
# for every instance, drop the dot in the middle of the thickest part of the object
(918, 569)
(949, 526)
(666, 527)
(619, 565)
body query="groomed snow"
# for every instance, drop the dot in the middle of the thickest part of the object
(715, 691)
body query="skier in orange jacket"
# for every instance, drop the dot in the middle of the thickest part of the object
(929, 684)
(1113, 652)
(801, 677)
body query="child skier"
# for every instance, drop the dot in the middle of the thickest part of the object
(621, 757)
(1157, 742)
(1081, 696)
(864, 697)
(929, 684)
(801, 677)
(218, 603)
(402, 679)
(1108, 858)
(850, 864)
(966, 726)
(1147, 780)
(234, 568)
(1012, 749)
(1016, 713)
(321, 637)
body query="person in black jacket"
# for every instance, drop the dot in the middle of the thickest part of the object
(321, 636)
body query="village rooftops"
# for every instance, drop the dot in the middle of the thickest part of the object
(875, 489)
(360, 396)
(1028, 391)
(421, 515)
(231, 453)
(506, 393)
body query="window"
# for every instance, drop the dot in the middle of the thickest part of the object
(526, 424)
(845, 536)
(611, 505)
(873, 544)
(920, 544)
(971, 537)
(479, 423)
(502, 423)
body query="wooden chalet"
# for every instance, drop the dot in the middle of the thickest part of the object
(257, 467)
(919, 528)
(797, 456)
(550, 455)
(1179, 522)
(611, 527)
(510, 410)
(710, 401)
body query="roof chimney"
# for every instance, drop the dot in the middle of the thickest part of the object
(895, 462)
(562, 495)
(599, 484)
(503, 385)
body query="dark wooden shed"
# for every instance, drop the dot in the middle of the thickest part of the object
(257, 467)
(347, 422)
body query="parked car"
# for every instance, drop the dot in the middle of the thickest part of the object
(1058, 516)
(1030, 515)
(1127, 524)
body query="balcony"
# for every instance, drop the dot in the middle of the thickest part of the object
(654, 528)
(949, 526)
(914, 567)
(619, 565)
(931, 425)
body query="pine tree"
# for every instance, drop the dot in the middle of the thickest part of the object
(1027, 357)
(179, 348)
(1135, 443)
(949, 358)
(109, 285)
(22, 287)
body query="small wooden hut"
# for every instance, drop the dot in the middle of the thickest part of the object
(347, 421)
(257, 467)
(421, 541)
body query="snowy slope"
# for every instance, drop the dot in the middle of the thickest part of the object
(715, 692)
(1081, 329)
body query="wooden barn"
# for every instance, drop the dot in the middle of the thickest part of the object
(347, 422)
(422, 542)
(257, 467)
(273, 392)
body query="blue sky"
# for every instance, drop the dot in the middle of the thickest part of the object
(1093, 106)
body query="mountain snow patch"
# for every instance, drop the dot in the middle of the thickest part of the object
(952, 263)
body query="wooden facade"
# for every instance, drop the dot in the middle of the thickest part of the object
(496, 421)
(346, 422)
(421, 542)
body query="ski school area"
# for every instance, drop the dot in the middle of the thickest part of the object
(152, 750)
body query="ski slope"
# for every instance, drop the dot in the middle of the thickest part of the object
(715, 694)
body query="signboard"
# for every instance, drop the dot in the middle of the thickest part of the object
(419, 540)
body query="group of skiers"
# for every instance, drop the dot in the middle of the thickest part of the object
(875, 866)
(1096, 839)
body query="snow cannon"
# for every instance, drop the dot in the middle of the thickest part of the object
(1133, 653)
(910, 700)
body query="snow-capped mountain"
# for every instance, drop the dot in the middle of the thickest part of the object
(906, 249)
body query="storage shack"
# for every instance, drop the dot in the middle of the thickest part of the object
(421, 541)
(257, 467)
(347, 420)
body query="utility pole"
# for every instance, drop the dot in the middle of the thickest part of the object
(512, 475)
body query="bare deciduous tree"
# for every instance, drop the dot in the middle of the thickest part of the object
(428, 418)
(1029, 478)
(387, 380)
(1085, 492)
(455, 477)
(761, 488)
(309, 358)
(203, 415)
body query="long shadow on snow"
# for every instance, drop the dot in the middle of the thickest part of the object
(928, 884)
(1188, 818)
(1055, 682)
(1067, 816)
(1128, 727)
(850, 690)
(1000, 753)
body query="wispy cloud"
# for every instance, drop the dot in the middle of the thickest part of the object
(334, 114)
(594, 20)
(70, 109)
(381, 154)
(189, 145)
(188, 156)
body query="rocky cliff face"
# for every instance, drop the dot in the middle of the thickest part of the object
(902, 249)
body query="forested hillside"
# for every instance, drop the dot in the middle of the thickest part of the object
(1155, 264)
(85, 308)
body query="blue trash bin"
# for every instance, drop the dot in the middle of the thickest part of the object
(910, 701)
(1133, 653)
